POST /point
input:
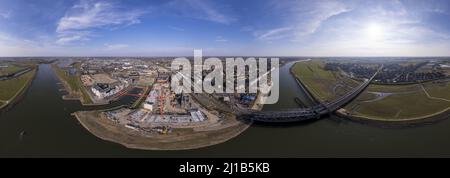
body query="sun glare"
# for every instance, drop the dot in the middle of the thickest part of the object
(375, 32)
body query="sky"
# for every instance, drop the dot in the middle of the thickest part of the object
(225, 27)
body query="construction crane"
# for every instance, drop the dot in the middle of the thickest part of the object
(161, 103)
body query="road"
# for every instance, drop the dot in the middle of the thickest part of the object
(303, 114)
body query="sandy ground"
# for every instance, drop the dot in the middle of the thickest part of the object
(179, 139)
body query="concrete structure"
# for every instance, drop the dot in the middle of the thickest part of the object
(151, 100)
(103, 90)
(197, 116)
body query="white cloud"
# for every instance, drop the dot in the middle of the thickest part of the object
(203, 10)
(112, 47)
(8, 39)
(14, 46)
(308, 21)
(176, 28)
(211, 13)
(399, 28)
(5, 15)
(274, 34)
(72, 36)
(221, 39)
(4, 38)
(88, 15)
(301, 18)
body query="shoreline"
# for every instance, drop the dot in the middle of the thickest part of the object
(20, 94)
(431, 119)
(180, 139)
(186, 140)
(71, 95)
(303, 86)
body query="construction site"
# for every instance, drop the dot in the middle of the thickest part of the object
(161, 110)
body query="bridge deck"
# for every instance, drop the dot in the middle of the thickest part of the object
(302, 114)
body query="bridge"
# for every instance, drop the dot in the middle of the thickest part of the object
(300, 114)
(303, 114)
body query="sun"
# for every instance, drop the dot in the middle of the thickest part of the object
(375, 32)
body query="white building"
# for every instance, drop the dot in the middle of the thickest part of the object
(106, 90)
(151, 100)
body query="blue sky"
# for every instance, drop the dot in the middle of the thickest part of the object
(225, 27)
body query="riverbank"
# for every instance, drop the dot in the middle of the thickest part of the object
(384, 123)
(215, 131)
(72, 85)
(18, 91)
(325, 86)
(303, 87)
(181, 139)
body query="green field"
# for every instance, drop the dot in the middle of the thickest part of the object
(401, 102)
(10, 69)
(324, 85)
(441, 91)
(9, 89)
(74, 83)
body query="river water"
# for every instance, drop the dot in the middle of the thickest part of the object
(50, 131)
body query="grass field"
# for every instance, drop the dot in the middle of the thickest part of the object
(9, 89)
(10, 69)
(325, 85)
(401, 102)
(74, 83)
(439, 90)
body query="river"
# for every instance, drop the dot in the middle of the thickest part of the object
(50, 131)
